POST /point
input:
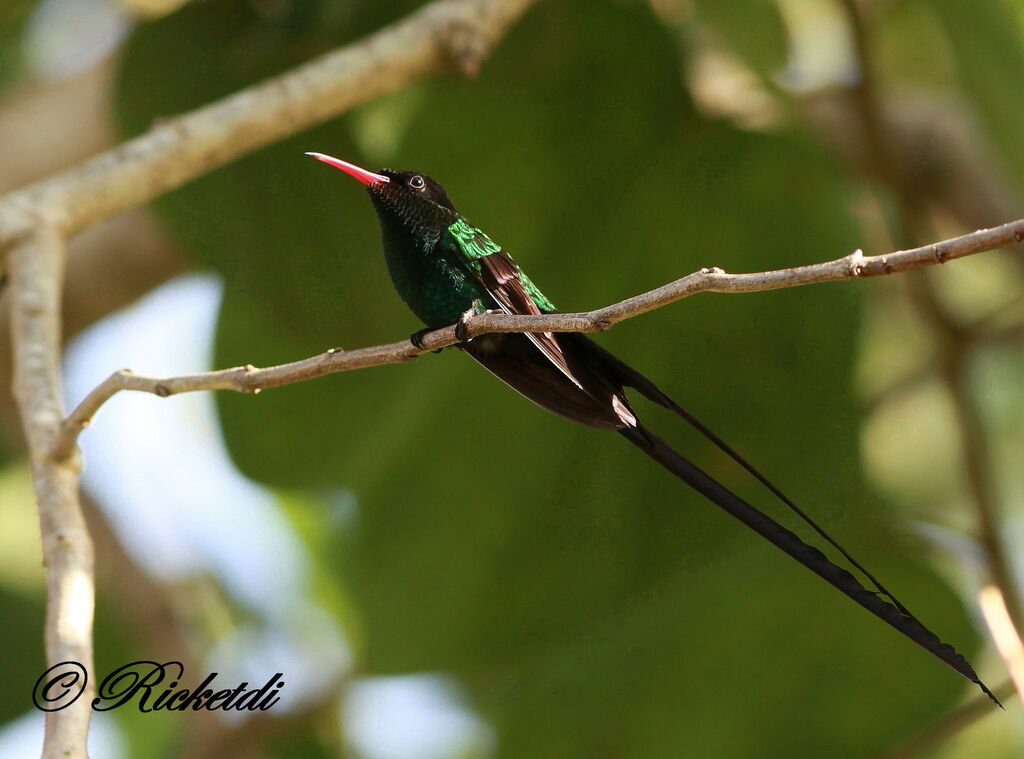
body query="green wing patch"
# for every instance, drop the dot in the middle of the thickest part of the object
(474, 245)
(471, 241)
(538, 297)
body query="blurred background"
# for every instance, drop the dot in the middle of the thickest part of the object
(441, 570)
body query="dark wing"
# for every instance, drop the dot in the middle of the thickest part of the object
(627, 376)
(515, 360)
(536, 364)
(575, 378)
(500, 276)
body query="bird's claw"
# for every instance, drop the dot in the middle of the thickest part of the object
(461, 325)
(416, 338)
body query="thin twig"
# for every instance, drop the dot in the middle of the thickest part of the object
(36, 276)
(956, 339)
(956, 345)
(869, 108)
(977, 455)
(1004, 633)
(446, 34)
(249, 379)
(36, 221)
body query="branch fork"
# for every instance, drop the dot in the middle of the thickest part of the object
(35, 222)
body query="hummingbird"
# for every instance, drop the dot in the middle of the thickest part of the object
(446, 270)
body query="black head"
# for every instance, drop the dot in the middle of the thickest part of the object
(414, 185)
(405, 200)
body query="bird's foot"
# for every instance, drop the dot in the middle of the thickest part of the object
(416, 338)
(462, 324)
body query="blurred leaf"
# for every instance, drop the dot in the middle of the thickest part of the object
(319, 520)
(23, 629)
(753, 28)
(590, 603)
(273, 237)
(301, 743)
(120, 637)
(928, 61)
(987, 40)
(14, 15)
(21, 567)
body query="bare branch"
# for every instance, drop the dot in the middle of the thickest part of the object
(1004, 633)
(444, 34)
(37, 273)
(36, 221)
(978, 470)
(249, 379)
(910, 226)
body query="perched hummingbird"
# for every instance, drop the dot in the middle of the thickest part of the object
(446, 270)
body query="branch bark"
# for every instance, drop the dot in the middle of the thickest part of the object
(993, 607)
(250, 379)
(913, 194)
(443, 35)
(37, 265)
(36, 221)
(910, 225)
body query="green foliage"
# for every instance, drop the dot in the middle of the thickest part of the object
(14, 14)
(22, 619)
(589, 604)
(752, 27)
(986, 42)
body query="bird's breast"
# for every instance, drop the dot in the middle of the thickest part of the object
(435, 289)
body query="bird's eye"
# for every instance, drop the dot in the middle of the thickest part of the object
(417, 182)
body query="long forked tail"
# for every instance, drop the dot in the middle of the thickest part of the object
(596, 398)
(806, 554)
(630, 377)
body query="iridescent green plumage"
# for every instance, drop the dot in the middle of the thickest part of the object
(443, 266)
(473, 244)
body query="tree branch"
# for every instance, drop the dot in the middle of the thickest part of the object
(36, 277)
(36, 221)
(993, 607)
(978, 469)
(910, 226)
(249, 379)
(444, 34)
